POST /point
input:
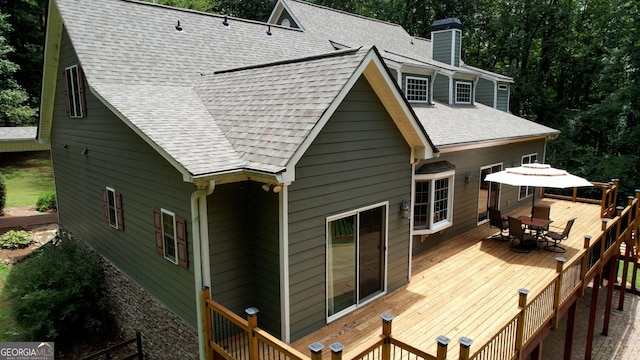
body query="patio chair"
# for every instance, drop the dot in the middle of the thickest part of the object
(496, 220)
(558, 237)
(541, 212)
(525, 241)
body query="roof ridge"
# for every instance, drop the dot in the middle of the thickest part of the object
(213, 15)
(290, 61)
(347, 13)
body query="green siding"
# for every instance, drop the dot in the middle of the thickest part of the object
(441, 42)
(466, 195)
(118, 158)
(503, 100)
(358, 159)
(457, 47)
(244, 253)
(441, 89)
(484, 92)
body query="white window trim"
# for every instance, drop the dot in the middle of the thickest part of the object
(442, 224)
(528, 194)
(175, 235)
(72, 91)
(331, 218)
(470, 84)
(111, 195)
(406, 88)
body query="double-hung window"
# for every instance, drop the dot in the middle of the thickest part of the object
(526, 191)
(417, 89)
(171, 237)
(463, 92)
(112, 204)
(74, 91)
(433, 201)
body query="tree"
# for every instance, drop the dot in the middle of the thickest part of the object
(14, 108)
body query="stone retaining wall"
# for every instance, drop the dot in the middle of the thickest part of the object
(164, 335)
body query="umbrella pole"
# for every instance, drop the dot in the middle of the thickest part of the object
(533, 201)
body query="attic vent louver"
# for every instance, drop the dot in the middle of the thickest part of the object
(225, 22)
(269, 30)
(178, 27)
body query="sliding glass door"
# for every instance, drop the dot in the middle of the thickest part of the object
(356, 244)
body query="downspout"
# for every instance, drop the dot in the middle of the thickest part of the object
(200, 231)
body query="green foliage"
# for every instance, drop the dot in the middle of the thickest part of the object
(46, 201)
(3, 195)
(13, 239)
(59, 294)
(14, 107)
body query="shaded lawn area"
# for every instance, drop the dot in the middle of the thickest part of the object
(9, 329)
(27, 176)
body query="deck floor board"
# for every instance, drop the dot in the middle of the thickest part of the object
(467, 286)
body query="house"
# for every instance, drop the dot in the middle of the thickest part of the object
(18, 139)
(196, 150)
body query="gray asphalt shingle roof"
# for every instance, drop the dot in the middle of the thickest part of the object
(172, 86)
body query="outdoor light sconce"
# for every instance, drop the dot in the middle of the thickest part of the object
(404, 209)
(467, 178)
(272, 187)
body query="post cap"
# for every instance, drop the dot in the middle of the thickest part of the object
(316, 347)
(443, 340)
(336, 347)
(561, 259)
(252, 311)
(387, 317)
(465, 341)
(523, 291)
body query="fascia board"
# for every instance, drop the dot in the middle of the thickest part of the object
(53, 39)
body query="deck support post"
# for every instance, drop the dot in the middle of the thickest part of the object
(522, 303)
(465, 345)
(387, 319)
(556, 301)
(336, 351)
(252, 320)
(316, 351)
(611, 280)
(443, 344)
(568, 335)
(628, 251)
(208, 336)
(585, 264)
(593, 310)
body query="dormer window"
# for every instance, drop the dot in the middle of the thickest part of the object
(463, 92)
(417, 89)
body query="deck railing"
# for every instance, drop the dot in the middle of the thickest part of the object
(607, 201)
(232, 337)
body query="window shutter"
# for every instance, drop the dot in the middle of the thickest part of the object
(181, 235)
(83, 98)
(119, 211)
(66, 92)
(157, 223)
(105, 205)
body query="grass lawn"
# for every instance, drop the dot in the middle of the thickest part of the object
(27, 176)
(9, 329)
(629, 274)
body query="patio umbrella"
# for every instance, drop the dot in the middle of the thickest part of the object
(537, 175)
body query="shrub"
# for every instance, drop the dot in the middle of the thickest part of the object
(46, 201)
(3, 197)
(15, 239)
(59, 295)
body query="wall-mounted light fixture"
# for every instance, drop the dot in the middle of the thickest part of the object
(467, 177)
(272, 187)
(404, 209)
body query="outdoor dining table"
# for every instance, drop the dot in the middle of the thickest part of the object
(536, 225)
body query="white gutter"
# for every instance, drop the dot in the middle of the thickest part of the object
(200, 231)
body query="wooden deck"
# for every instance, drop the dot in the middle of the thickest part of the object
(466, 287)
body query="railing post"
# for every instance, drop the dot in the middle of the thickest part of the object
(465, 345)
(522, 303)
(316, 351)
(585, 263)
(208, 336)
(139, 345)
(252, 320)
(556, 302)
(336, 351)
(443, 343)
(387, 319)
